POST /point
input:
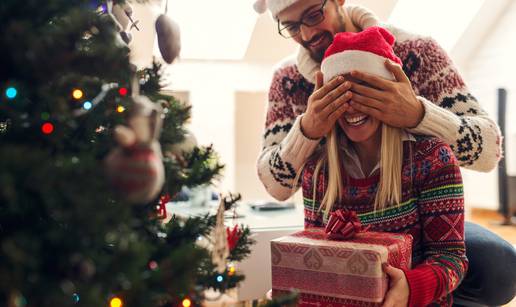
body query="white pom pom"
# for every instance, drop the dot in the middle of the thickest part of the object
(260, 6)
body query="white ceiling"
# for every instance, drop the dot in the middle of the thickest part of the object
(231, 30)
(437, 18)
(213, 29)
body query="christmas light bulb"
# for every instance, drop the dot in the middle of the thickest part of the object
(187, 303)
(11, 92)
(120, 109)
(76, 298)
(153, 265)
(115, 302)
(47, 128)
(122, 91)
(87, 105)
(77, 94)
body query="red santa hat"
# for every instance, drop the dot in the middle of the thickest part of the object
(364, 51)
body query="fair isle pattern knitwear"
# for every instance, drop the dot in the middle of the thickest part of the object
(431, 210)
(451, 112)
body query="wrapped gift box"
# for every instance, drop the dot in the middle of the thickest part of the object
(337, 273)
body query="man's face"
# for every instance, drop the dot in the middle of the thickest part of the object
(315, 39)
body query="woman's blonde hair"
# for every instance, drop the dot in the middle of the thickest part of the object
(391, 161)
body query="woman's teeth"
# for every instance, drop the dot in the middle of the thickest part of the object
(356, 120)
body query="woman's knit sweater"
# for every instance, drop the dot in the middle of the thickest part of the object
(431, 210)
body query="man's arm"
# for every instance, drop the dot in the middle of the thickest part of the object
(279, 163)
(452, 113)
(429, 97)
(284, 147)
(290, 139)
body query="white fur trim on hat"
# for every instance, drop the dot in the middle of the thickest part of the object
(349, 60)
(276, 6)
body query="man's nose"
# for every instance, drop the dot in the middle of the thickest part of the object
(307, 33)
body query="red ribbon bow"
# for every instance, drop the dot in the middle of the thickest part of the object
(343, 225)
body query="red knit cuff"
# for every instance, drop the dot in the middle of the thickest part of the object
(422, 285)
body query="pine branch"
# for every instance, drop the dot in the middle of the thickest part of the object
(243, 247)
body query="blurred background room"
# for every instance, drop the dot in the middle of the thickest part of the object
(225, 69)
(229, 52)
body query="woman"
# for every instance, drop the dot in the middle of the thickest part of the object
(395, 182)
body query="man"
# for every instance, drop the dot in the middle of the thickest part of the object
(428, 97)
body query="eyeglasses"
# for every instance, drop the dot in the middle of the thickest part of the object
(309, 19)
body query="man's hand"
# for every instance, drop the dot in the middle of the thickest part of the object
(391, 102)
(399, 291)
(326, 104)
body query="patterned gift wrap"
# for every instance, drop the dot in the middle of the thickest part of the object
(337, 273)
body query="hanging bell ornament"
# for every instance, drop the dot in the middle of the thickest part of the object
(169, 38)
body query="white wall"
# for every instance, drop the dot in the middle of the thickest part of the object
(212, 86)
(249, 120)
(493, 65)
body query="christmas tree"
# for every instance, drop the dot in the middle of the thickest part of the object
(80, 214)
